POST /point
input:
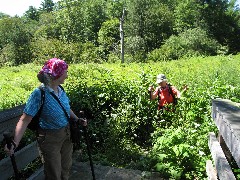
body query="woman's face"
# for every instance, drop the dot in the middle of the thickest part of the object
(62, 77)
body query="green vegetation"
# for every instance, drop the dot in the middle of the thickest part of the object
(185, 40)
(126, 129)
(88, 31)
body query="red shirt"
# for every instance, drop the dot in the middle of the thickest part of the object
(166, 97)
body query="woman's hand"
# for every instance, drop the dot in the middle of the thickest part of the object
(10, 151)
(150, 88)
(82, 121)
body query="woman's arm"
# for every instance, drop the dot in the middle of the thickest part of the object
(21, 127)
(19, 131)
(73, 115)
(177, 93)
(153, 93)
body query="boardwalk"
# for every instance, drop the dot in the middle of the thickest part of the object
(82, 171)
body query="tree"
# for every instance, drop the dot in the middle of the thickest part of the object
(81, 20)
(32, 13)
(94, 16)
(47, 6)
(221, 18)
(15, 37)
(48, 27)
(70, 19)
(187, 15)
(3, 15)
(114, 8)
(108, 35)
(149, 20)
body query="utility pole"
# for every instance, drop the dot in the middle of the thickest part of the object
(122, 35)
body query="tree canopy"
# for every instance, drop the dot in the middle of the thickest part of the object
(149, 26)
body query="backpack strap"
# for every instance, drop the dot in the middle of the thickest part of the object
(171, 93)
(170, 90)
(42, 101)
(61, 87)
(159, 95)
(57, 99)
(159, 99)
(34, 124)
(42, 96)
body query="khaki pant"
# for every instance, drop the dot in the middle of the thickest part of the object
(56, 152)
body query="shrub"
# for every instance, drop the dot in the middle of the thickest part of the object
(135, 47)
(91, 53)
(44, 49)
(192, 42)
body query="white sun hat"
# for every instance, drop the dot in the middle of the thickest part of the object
(161, 78)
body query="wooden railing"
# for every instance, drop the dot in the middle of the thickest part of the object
(225, 147)
(8, 121)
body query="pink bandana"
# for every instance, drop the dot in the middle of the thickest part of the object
(55, 67)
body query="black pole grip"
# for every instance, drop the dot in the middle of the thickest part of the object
(9, 142)
(7, 137)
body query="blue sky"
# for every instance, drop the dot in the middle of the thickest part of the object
(13, 7)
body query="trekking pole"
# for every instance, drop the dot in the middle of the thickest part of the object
(9, 143)
(88, 150)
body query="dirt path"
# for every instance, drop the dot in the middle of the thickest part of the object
(82, 171)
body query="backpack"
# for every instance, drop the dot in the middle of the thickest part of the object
(34, 124)
(170, 93)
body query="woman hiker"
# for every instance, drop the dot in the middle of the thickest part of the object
(53, 135)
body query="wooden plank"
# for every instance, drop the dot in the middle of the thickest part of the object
(226, 115)
(38, 175)
(23, 158)
(8, 126)
(211, 171)
(223, 168)
(11, 113)
(9, 119)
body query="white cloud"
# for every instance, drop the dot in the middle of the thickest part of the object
(18, 7)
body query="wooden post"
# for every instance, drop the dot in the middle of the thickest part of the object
(122, 35)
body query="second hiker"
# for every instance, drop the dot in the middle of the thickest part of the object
(166, 93)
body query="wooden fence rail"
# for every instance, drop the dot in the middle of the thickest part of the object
(226, 115)
(225, 146)
(8, 121)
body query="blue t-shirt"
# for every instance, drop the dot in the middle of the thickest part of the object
(52, 115)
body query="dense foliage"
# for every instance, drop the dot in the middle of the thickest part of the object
(126, 129)
(88, 31)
